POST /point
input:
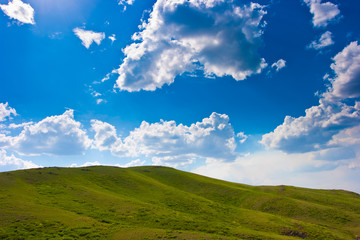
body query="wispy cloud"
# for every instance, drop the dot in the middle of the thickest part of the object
(281, 63)
(112, 38)
(88, 37)
(324, 41)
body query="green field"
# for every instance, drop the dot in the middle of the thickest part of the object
(164, 203)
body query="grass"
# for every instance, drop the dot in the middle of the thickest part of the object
(164, 203)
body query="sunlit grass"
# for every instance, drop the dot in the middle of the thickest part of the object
(164, 203)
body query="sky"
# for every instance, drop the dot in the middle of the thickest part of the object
(261, 93)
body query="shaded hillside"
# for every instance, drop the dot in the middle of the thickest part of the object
(164, 203)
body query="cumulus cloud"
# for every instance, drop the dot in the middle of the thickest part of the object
(170, 144)
(88, 37)
(12, 161)
(314, 130)
(324, 41)
(105, 135)
(323, 13)
(6, 111)
(321, 124)
(55, 135)
(220, 36)
(346, 66)
(281, 63)
(20, 11)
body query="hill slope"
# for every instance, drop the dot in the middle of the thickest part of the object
(164, 203)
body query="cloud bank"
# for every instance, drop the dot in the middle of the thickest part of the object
(20, 11)
(167, 143)
(220, 36)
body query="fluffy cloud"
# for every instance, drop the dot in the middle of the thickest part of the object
(323, 13)
(314, 130)
(88, 37)
(20, 11)
(6, 111)
(346, 67)
(281, 63)
(324, 41)
(171, 144)
(218, 35)
(58, 135)
(15, 162)
(321, 124)
(105, 135)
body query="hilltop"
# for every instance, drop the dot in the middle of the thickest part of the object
(163, 203)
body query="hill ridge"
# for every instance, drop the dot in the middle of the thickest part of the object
(103, 202)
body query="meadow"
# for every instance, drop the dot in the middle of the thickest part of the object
(103, 202)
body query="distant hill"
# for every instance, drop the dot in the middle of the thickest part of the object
(164, 203)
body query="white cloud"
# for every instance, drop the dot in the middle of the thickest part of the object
(88, 37)
(133, 163)
(12, 161)
(87, 164)
(220, 36)
(278, 168)
(105, 135)
(346, 67)
(170, 144)
(6, 111)
(314, 130)
(323, 13)
(324, 41)
(281, 63)
(21, 125)
(242, 137)
(112, 38)
(57, 135)
(321, 124)
(125, 3)
(20, 11)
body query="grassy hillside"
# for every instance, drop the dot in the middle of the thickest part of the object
(164, 203)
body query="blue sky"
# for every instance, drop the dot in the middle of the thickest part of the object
(263, 92)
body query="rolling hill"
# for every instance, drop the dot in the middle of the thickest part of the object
(163, 203)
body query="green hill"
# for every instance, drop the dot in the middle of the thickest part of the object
(164, 203)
